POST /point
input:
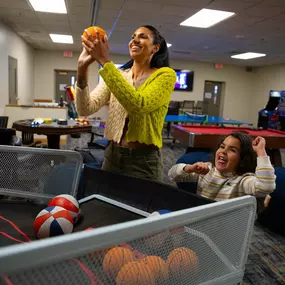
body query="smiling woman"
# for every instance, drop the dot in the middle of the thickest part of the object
(138, 95)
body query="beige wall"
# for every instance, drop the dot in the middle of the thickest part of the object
(3, 68)
(12, 45)
(45, 64)
(267, 78)
(237, 90)
(238, 87)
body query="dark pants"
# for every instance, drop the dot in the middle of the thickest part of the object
(142, 163)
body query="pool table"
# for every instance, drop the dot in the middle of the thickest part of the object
(208, 137)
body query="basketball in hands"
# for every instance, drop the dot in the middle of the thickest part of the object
(92, 31)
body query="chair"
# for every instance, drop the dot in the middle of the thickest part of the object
(29, 140)
(6, 136)
(3, 121)
(188, 106)
(173, 108)
(199, 107)
(271, 217)
(98, 129)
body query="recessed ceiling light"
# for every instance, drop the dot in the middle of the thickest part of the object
(248, 55)
(62, 39)
(206, 18)
(169, 45)
(50, 6)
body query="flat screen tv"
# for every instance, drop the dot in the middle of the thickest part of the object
(184, 80)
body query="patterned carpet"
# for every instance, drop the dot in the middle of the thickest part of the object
(266, 260)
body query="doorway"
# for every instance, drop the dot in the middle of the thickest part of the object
(13, 80)
(212, 98)
(63, 78)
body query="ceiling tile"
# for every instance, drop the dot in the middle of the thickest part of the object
(15, 4)
(263, 10)
(108, 13)
(178, 11)
(199, 4)
(56, 19)
(112, 4)
(258, 26)
(275, 2)
(142, 7)
(230, 5)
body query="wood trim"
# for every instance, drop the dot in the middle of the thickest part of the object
(31, 106)
(43, 100)
(196, 139)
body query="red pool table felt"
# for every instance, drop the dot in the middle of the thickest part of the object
(225, 131)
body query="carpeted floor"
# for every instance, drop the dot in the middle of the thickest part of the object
(266, 260)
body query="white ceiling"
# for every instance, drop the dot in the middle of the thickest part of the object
(257, 27)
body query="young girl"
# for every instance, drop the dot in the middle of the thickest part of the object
(233, 173)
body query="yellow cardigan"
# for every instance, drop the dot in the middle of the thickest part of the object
(146, 106)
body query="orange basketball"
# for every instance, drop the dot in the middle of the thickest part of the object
(182, 260)
(91, 30)
(135, 273)
(115, 259)
(158, 267)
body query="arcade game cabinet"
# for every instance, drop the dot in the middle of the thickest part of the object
(268, 117)
(281, 111)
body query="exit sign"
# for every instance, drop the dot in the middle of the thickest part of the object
(219, 65)
(67, 54)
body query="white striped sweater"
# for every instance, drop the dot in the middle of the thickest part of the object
(217, 186)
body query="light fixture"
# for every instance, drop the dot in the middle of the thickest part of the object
(169, 45)
(248, 55)
(206, 18)
(62, 39)
(49, 6)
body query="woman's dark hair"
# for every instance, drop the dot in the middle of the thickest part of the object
(248, 158)
(161, 57)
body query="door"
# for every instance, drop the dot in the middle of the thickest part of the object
(13, 80)
(212, 98)
(63, 78)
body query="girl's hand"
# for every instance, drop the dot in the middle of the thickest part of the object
(258, 146)
(96, 48)
(198, 168)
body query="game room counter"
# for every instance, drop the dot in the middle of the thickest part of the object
(35, 106)
(207, 137)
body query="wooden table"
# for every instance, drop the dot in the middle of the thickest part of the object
(53, 131)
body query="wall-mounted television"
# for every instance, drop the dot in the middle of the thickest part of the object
(184, 81)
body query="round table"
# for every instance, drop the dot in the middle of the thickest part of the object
(53, 131)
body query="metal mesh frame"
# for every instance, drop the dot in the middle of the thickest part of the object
(218, 233)
(38, 173)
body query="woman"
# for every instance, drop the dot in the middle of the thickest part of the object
(138, 95)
